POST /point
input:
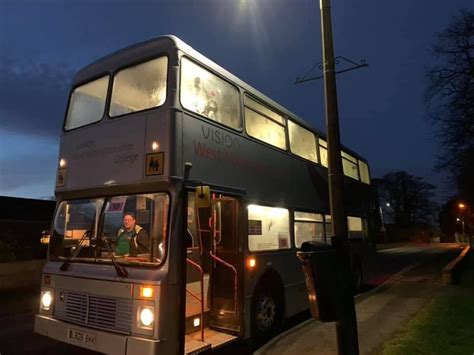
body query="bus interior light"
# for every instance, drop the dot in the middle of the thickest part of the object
(146, 292)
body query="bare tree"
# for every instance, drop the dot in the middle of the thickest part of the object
(450, 97)
(409, 198)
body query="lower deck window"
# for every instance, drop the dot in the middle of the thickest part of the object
(355, 227)
(268, 228)
(308, 227)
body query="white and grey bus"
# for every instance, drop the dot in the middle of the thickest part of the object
(134, 119)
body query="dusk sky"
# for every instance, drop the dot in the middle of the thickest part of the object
(267, 43)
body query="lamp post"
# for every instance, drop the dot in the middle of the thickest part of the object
(462, 223)
(382, 228)
(346, 326)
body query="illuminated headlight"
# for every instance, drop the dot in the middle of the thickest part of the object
(46, 300)
(146, 317)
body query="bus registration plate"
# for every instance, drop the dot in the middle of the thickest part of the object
(81, 337)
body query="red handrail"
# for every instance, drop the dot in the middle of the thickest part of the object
(201, 271)
(225, 263)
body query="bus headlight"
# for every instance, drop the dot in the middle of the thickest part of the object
(46, 300)
(146, 317)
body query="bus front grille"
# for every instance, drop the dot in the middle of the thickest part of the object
(94, 311)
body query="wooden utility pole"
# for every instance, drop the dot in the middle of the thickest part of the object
(346, 325)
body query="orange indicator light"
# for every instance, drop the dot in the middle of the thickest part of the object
(146, 292)
(251, 263)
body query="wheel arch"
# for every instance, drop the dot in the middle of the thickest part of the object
(271, 279)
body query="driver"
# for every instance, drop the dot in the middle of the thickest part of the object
(132, 239)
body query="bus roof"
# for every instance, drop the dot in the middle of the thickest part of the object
(151, 48)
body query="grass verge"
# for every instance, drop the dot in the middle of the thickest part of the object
(444, 326)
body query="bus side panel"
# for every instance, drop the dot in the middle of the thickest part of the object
(224, 157)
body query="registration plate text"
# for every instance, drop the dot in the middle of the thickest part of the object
(81, 337)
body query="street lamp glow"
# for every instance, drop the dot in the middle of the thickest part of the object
(387, 204)
(461, 206)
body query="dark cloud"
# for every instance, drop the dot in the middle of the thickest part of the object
(33, 97)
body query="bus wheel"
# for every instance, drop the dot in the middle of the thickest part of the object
(267, 313)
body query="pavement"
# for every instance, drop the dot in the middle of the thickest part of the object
(381, 313)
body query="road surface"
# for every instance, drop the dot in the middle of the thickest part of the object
(19, 307)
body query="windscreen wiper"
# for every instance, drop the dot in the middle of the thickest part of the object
(66, 263)
(121, 271)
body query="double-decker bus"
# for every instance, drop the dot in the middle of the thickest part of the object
(256, 191)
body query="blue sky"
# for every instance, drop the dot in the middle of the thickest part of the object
(267, 43)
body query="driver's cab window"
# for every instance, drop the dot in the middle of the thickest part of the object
(136, 225)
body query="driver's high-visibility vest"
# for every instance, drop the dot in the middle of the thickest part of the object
(125, 238)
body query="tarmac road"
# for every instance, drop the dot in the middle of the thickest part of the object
(381, 313)
(19, 307)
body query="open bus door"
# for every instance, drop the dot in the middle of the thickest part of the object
(225, 265)
(212, 272)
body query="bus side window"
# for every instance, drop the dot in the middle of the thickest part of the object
(268, 228)
(208, 95)
(308, 227)
(355, 227)
(328, 228)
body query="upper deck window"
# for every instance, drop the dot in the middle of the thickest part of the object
(139, 87)
(349, 165)
(87, 103)
(364, 172)
(323, 152)
(264, 123)
(206, 94)
(302, 142)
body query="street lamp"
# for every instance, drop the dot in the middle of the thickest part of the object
(461, 206)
